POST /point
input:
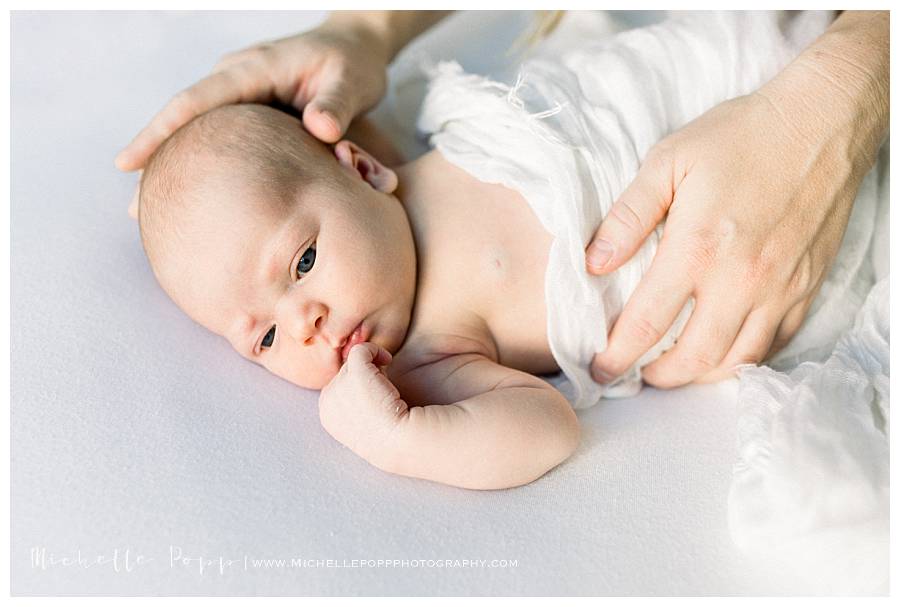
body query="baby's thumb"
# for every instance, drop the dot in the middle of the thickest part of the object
(636, 213)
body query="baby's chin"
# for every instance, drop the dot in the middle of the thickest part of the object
(309, 383)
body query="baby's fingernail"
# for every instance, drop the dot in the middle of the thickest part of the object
(599, 253)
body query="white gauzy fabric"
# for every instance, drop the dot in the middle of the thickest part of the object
(811, 488)
(569, 136)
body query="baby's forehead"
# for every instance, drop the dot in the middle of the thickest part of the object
(243, 197)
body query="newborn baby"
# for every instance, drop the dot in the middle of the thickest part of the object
(423, 301)
(416, 309)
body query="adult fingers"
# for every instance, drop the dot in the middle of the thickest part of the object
(331, 109)
(633, 216)
(647, 315)
(707, 338)
(240, 84)
(789, 326)
(750, 348)
(250, 53)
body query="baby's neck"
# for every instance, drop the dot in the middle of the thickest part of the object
(430, 180)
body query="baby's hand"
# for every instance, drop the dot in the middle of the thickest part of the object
(360, 407)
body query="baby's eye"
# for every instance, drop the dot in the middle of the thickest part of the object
(269, 338)
(306, 261)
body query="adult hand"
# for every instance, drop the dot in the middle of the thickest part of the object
(758, 192)
(757, 203)
(332, 73)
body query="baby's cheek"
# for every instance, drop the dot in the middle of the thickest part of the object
(301, 373)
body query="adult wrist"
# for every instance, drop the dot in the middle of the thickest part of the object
(837, 91)
(390, 30)
(369, 27)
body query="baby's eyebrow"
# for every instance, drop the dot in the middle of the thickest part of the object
(272, 262)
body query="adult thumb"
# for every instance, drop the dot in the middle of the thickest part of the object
(329, 113)
(636, 213)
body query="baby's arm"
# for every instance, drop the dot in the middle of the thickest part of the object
(487, 427)
(480, 425)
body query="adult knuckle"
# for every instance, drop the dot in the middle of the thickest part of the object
(184, 105)
(261, 57)
(756, 269)
(660, 155)
(697, 362)
(644, 331)
(623, 213)
(702, 250)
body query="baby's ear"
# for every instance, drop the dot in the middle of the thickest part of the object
(364, 164)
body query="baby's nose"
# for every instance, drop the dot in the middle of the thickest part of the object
(307, 322)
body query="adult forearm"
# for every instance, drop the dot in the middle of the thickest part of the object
(496, 440)
(841, 83)
(392, 29)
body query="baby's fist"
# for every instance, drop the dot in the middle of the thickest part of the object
(360, 407)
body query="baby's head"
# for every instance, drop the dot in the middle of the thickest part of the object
(279, 243)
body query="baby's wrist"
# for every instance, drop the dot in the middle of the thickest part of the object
(392, 449)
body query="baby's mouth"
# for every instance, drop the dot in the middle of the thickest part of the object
(358, 335)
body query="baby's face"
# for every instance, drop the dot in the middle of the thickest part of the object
(287, 284)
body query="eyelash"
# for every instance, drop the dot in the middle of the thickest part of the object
(271, 331)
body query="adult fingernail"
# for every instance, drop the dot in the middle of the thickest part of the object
(600, 376)
(599, 253)
(331, 119)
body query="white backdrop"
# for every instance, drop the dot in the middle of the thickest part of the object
(132, 428)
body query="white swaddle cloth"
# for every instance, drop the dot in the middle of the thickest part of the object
(569, 136)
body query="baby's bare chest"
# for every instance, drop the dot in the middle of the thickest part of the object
(482, 263)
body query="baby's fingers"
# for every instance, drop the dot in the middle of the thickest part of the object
(236, 85)
(366, 353)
